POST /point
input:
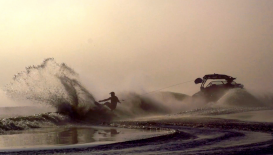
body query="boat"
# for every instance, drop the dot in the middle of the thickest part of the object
(218, 85)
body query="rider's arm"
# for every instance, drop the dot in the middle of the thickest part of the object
(118, 100)
(105, 100)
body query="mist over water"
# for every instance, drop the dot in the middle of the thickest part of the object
(134, 49)
(58, 86)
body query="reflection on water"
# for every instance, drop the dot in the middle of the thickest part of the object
(69, 136)
(57, 136)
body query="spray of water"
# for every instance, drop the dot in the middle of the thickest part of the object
(58, 85)
(52, 84)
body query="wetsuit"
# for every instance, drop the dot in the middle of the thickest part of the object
(113, 104)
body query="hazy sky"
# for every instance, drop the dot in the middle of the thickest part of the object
(149, 43)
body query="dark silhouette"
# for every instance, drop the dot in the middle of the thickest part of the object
(219, 85)
(114, 100)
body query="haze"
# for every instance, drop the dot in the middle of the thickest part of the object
(117, 44)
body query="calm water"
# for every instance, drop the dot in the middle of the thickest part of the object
(63, 136)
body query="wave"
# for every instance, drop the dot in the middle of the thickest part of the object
(240, 98)
(34, 121)
(59, 86)
(52, 84)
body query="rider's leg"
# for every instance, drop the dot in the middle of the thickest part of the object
(110, 105)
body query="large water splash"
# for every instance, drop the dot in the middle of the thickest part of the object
(52, 84)
(58, 85)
